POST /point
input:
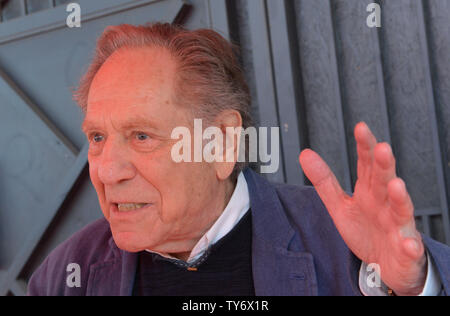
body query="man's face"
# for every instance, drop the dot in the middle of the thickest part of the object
(130, 117)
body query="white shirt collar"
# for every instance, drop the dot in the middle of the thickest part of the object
(236, 208)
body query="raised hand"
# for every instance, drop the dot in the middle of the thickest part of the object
(377, 222)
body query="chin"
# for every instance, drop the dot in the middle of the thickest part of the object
(128, 241)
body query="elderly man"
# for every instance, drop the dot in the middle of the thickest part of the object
(218, 228)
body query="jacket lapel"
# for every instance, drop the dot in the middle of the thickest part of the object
(113, 277)
(278, 269)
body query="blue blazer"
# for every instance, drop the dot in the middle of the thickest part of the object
(296, 250)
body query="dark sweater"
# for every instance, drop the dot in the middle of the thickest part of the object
(224, 270)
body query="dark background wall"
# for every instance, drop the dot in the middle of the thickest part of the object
(314, 67)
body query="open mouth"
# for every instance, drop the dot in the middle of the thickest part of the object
(128, 207)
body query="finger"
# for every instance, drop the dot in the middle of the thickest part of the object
(413, 247)
(401, 204)
(323, 179)
(383, 170)
(365, 143)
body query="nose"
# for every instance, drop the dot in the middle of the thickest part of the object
(114, 164)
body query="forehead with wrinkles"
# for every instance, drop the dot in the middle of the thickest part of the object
(134, 74)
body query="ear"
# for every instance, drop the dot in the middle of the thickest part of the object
(230, 123)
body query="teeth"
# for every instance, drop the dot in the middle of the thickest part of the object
(130, 206)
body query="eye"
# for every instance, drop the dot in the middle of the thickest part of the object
(96, 137)
(141, 136)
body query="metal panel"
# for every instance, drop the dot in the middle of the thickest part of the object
(37, 23)
(436, 15)
(275, 83)
(263, 75)
(37, 5)
(360, 73)
(50, 209)
(285, 65)
(431, 107)
(218, 17)
(324, 110)
(409, 90)
(32, 159)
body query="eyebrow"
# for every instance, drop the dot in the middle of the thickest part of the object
(134, 122)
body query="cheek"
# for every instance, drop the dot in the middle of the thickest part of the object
(99, 188)
(187, 192)
(93, 172)
(174, 183)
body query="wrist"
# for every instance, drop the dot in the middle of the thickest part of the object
(417, 285)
